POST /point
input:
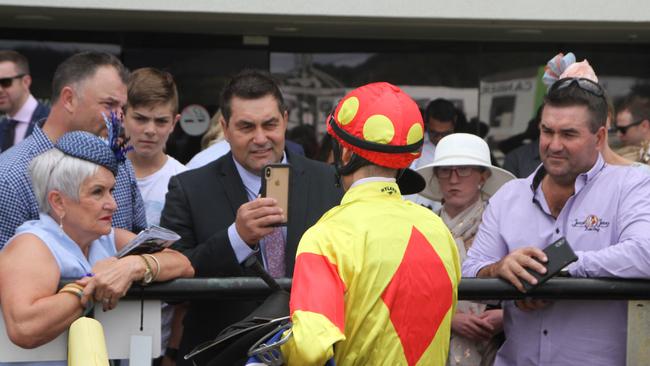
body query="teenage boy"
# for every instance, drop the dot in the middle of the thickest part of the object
(151, 114)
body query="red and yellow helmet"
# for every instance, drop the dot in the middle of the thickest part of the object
(380, 123)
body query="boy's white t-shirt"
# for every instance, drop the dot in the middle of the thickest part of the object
(153, 189)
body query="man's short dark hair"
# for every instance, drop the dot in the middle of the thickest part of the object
(637, 103)
(82, 66)
(250, 84)
(573, 95)
(442, 110)
(639, 109)
(22, 65)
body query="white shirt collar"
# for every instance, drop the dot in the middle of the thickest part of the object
(252, 182)
(373, 179)
(25, 112)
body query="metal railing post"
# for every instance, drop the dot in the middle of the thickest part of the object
(638, 332)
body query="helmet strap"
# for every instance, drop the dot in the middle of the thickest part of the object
(356, 162)
(336, 153)
(400, 172)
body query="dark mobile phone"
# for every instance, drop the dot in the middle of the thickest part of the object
(559, 255)
(275, 184)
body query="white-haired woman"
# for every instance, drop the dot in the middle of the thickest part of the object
(462, 177)
(73, 238)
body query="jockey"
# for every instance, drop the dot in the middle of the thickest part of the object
(376, 278)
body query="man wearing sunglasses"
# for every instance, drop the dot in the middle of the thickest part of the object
(633, 129)
(602, 210)
(22, 111)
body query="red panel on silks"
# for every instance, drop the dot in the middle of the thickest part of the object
(421, 282)
(320, 289)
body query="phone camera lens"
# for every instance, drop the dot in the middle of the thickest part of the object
(268, 172)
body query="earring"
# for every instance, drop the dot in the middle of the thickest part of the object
(61, 220)
(480, 186)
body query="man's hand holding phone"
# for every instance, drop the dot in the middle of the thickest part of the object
(513, 266)
(532, 265)
(257, 218)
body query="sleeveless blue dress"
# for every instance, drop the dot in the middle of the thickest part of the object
(69, 257)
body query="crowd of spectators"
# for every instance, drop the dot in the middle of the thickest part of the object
(81, 177)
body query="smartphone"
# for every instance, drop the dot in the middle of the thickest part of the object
(559, 255)
(275, 184)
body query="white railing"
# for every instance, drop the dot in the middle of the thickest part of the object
(124, 339)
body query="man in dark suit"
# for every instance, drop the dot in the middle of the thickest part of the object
(218, 212)
(22, 111)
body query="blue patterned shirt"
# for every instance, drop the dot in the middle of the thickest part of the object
(18, 202)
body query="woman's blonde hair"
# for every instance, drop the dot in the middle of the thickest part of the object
(215, 131)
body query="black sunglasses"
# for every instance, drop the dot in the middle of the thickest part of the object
(623, 129)
(6, 82)
(587, 85)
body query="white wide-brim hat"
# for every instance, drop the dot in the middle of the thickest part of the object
(462, 149)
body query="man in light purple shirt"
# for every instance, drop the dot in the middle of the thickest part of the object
(602, 210)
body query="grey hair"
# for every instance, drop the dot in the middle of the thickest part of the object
(54, 170)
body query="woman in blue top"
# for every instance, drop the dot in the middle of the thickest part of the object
(73, 238)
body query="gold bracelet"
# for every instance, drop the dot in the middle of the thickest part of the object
(78, 290)
(75, 291)
(155, 275)
(148, 273)
(74, 285)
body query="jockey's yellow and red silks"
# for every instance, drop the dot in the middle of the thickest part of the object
(375, 283)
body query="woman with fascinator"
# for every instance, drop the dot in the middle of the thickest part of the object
(73, 238)
(462, 177)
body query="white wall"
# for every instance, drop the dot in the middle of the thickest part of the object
(524, 10)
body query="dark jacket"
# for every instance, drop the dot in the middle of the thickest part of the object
(40, 114)
(200, 206)
(523, 160)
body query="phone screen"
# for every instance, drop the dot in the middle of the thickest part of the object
(275, 184)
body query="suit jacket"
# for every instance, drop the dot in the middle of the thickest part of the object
(523, 160)
(40, 113)
(200, 206)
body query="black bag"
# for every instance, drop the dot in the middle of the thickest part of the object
(230, 347)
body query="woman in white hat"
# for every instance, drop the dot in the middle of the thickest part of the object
(462, 177)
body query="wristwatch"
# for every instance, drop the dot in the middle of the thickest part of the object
(148, 273)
